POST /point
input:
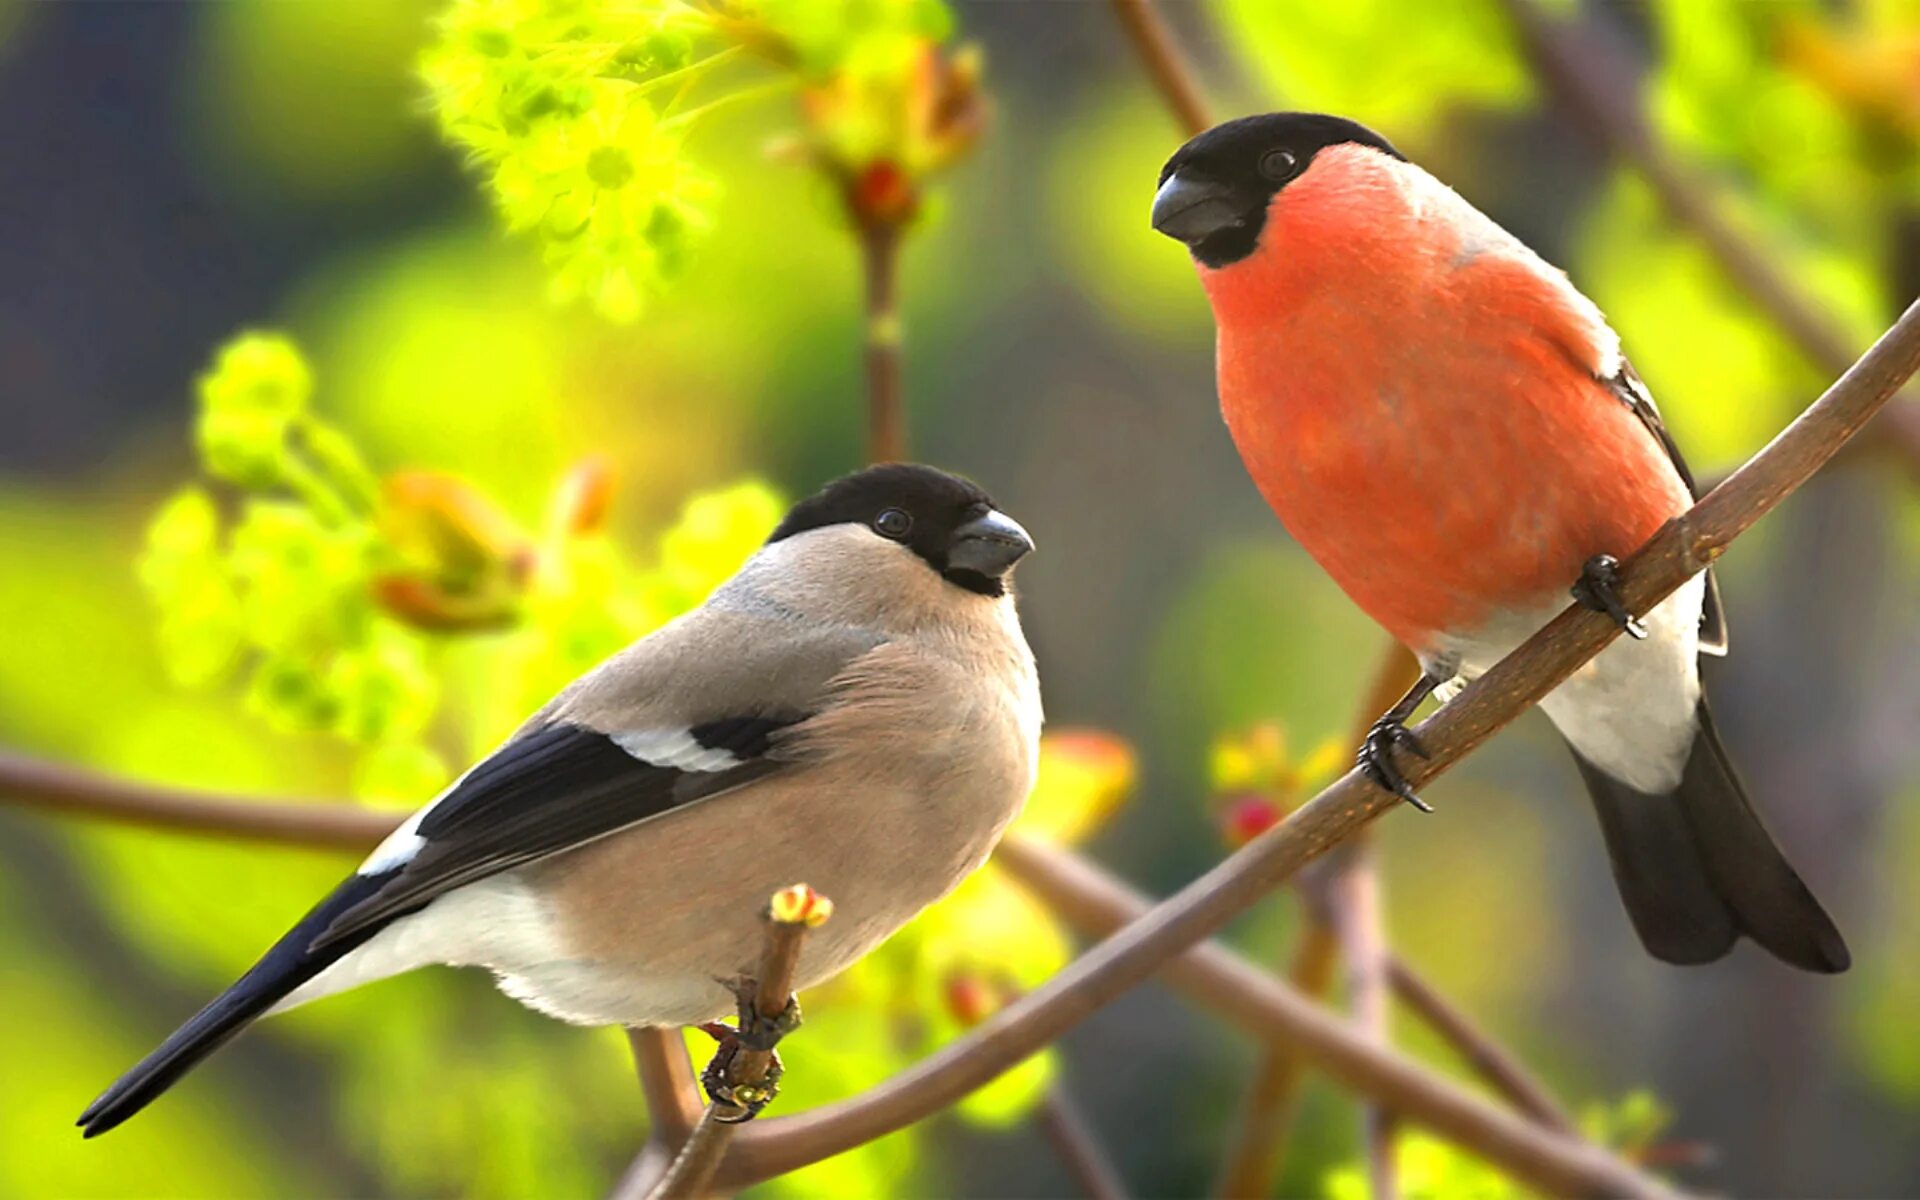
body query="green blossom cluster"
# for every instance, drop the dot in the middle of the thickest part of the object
(577, 113)
(277, 579)
(332, 596)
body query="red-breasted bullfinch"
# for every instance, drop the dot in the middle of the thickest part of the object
(856, 709)
(1448, 426)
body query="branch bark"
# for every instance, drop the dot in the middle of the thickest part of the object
(1247, 996)
(1266, 1115)
(69, 791)
(1483, 1056)
(1153, 41)
(1588, 71)
(693, 1168)
(1074, 1141)
(1681, 549)
(1256, 1150)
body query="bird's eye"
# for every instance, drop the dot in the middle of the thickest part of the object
(1278, 165)
(895, 523)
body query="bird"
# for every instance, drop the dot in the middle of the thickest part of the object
(1448, 426)
(856, 708)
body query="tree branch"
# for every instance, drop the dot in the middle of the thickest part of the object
(1589, 72)
(1074, 1141)
(1164, 63)
(673, 1106)
(1266, 1115)
(1483, 1056)
(36, 783)
(1247, 996)
(1255, 1153)
(1681, 548)
(792, 912)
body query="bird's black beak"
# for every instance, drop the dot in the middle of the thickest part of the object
(988, 545)
(1191, 210)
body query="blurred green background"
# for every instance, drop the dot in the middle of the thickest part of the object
(171, 175)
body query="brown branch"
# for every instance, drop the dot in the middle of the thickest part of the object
(886, 404)
(1355, 912)
(1169, 931)
(1590, 73)
(1266, 1115)
(1162, 58)
(666, 1080)
(1249, 998)
(673, 1106)
(1256, 1150)
(1483, 1056)
(36, 783)
(68, 791)
(791, 913)
(1678, 551)
(1073, 1140)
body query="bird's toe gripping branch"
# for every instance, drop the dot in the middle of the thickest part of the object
(754, 1031)
(744, 1074)
(1595, 589)
(1375, 758)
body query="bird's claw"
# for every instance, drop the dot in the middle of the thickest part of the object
(1595, 590)
(754, 1029)
(1375, 758)
(748, 1098)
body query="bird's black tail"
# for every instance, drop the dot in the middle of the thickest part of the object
(1697, 869)
(290, 963)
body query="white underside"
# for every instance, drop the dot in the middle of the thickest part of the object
(491, 923)
(1630, 711)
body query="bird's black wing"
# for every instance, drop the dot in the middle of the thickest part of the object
(550, 789)
(1632, 392)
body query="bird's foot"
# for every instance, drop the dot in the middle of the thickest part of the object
(717, 1079)
(754, 1029)
(1375, 758)
(1596, 590)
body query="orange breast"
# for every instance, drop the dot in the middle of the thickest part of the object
(1424, 425)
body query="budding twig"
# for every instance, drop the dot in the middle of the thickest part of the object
(790, 914)
(1680, 550)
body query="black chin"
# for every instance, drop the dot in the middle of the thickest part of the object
(1229, 245)
(974, 581)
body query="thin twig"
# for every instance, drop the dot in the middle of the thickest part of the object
(1357, 928)
(1164, 62)
(1679, 550)
(666, 1080)
(1072, 1138)
(792, 912)
(673, 1106)
(1360, 929)
(1248, 997)
(1589, 71)
(1256, 1151)
(1483, 1056)
(886, 401)
(1266, 1115)
(70, 791)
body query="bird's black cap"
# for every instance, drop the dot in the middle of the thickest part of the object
(948, 521)
(1214, 191)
